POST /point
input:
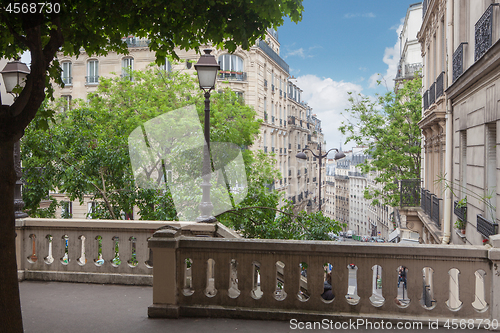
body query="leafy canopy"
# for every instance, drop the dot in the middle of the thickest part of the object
(388, 126)
(85, 150)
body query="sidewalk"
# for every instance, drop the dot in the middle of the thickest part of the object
(55, 307)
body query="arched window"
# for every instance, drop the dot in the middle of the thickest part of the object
(231, 63)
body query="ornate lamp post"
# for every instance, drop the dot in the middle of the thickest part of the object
(14, 74)
(207, 68)
(320, 157)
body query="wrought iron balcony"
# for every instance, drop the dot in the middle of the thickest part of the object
(435, 213)
(265, 84)
(432, 94)
(485, 227)
(460, 212)
(431, 205)
(483, 33)
(92, 79)
(425, 98)
(458, 61)
(232, 76)
(440, 85)
(409, 193)
(68, 81)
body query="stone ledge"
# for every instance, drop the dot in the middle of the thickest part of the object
(163, 311)
(82, 277)
(215, 311)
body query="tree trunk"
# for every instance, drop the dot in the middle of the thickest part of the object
(10, 305)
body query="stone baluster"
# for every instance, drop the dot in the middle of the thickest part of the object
(164, 244)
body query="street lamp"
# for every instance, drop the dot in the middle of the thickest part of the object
(206, 68)
(320, 156)
(14, 75)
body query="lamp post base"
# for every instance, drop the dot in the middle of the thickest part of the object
(206, 219)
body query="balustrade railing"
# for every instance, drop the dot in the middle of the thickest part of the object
(432, 94)
(485, 227)
(409, 192)
(458, 61)
(483, 33)
(425, 98)
(279, 279)
(436, 210)
(440, 85)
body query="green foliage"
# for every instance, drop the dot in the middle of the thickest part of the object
(388, 126)
(258, 216)
(85, 149)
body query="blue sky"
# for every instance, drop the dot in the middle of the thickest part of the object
(341, 46)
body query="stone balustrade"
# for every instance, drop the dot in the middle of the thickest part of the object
(95, 251)
(277, 279)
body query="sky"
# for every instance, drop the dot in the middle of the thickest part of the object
(343, 46)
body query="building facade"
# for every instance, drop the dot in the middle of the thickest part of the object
(459, 43)
(259, 76)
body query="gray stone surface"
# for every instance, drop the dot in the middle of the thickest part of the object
(53, 307)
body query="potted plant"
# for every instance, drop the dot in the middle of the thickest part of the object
(460, 225)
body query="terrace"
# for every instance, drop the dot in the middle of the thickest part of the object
(205, 270)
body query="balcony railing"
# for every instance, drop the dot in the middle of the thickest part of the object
(249, 278)
(425, 98)
(265, 84)
(435, 213)
(68, 81)
(432, 94)
(409, 193)
(92, 79)
(232, 76)
(485, 227)
(460, 212)
(458, 61)
(483, 33)
(440, 85)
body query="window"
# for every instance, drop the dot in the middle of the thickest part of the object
(231, 63)
(67, 73)
(167, 66)
(66, 209)
(127, 68)
(91, 209)
(67, 102)
(240, 96)
(491, 162)
(93, 72)
(463, 162)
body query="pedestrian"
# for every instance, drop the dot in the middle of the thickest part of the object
(327, 288)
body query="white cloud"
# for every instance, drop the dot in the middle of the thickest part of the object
(328, 99)
(303, 53)
(391, 59)
(352, 15)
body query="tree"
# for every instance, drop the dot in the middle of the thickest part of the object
(259, 215)
(388, 126)
(98, 27)
(86, 149)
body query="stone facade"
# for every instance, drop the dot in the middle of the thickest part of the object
(460, 114)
